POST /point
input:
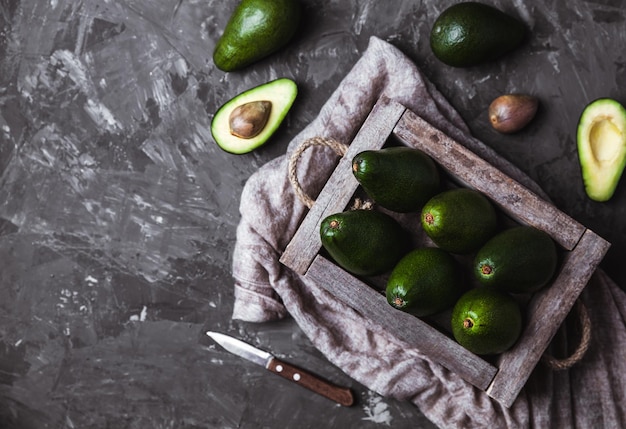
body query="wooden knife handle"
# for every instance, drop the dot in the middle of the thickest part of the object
(341, 395)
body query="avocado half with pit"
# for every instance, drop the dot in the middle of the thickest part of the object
(601, 140)
(249, 119)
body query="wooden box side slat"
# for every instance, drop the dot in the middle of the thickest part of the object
(544, 315)
(513, 198)
(340, 187)
(413, 331)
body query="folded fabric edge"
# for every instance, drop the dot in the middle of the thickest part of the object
(254, 306)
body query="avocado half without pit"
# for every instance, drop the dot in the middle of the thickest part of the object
(601, 140)
(249, 119)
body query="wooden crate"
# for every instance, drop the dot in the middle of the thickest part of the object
(501, 378)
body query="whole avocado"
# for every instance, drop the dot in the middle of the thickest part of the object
(471, 33)
(459, 220)
(520, 259)
(486, 321)
(364, 242)
(256, 29)
(398, 178)
(424, 282)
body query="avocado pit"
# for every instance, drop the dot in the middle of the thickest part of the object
(248, 120)
(511, 112)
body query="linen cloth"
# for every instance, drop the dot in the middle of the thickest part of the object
(592, 394)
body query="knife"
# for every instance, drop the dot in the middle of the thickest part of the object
(341, 395)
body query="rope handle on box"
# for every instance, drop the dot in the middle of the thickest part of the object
(341, 149)
(338, 147)
(577, 355)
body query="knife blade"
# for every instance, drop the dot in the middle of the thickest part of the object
(341, 395)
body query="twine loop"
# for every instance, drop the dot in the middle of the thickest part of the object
(338, 147)
(577, 355)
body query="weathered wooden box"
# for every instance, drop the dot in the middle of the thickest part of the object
(503, 377)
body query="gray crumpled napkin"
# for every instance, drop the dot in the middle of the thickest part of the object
(591, 394)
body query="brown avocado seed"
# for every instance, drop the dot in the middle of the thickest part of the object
(511, 112)
(248, 120)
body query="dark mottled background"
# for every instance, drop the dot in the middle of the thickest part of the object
(118, 211)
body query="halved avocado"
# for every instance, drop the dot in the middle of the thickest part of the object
(247, 121)
(601, 140)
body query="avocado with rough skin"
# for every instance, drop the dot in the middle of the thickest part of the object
(425, 282)
(364, 242)
(470, 33)
(256, 29)
(249, 119)
(601, 141)
(521, 259)
(400, 179)
(486, 321)
(459, 220)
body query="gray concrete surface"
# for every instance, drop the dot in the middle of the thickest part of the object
(118, 211)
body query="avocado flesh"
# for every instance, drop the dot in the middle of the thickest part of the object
(280, 92)
(470, 33)
(601, 139)
(256, 29)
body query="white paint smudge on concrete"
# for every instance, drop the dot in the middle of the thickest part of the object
(377, 410)
(362, 19)
(101, 115)
(141, 317)
(68, 64)
(161, 92)
(71, 64)
(180, 65)
(553, 58)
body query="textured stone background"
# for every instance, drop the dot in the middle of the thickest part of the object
(118, 211)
